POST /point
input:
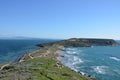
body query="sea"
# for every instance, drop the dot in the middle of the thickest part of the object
(12, 49)
(101, 62)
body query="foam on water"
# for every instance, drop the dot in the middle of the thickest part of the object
(71, 59)
(100, 69)
(76, 60)
(72, 51)
(99, 62)
(114, 58)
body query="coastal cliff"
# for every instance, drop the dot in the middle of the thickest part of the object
(44, 64)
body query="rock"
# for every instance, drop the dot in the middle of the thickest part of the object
(81, 42)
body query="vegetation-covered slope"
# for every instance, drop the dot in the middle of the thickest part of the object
(44, 64)
(41, 64)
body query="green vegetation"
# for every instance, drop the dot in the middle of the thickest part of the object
(39, 69)
(46, 69)
(82, 42)
(41, 64)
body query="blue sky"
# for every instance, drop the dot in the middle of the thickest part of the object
(60, 18)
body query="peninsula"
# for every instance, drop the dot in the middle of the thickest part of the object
(44, 64)
(82, 42)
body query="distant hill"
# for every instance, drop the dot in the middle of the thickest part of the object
(82, 42)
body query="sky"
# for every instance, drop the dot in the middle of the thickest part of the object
(60, 18)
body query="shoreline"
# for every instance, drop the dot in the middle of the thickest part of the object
(60, 57)
(56, 55)
(45, 63)
(53, 50)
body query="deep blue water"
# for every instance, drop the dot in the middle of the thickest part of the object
(12, 49)
(100, 62)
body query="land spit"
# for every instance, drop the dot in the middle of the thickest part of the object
(44, 64)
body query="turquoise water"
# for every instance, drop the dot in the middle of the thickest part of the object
(12, 49)
(100, 62)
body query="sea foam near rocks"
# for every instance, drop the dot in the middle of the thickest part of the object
(100, 69)
(71, 59)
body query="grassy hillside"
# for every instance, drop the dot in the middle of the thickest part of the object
(41, 64)
(39, 69)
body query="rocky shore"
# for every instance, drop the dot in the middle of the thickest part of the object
(44, 64)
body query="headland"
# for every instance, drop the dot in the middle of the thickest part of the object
(44, 64)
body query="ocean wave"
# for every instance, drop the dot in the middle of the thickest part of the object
(100, 69)
(114, 58)
(77, 60)
(72, 61)
(83, 73)
(71, 58)
(73, 51)
(99, 62)
(71, 65)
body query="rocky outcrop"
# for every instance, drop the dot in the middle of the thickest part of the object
(82, 42)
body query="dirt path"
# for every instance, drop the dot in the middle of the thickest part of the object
(30, 56)
(4, 66)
